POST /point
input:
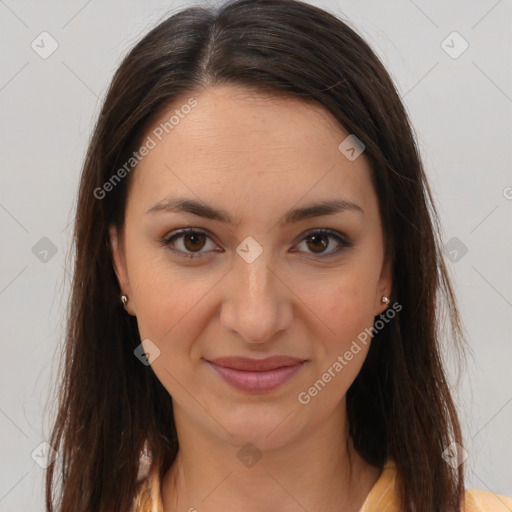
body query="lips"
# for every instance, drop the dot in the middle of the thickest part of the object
(256, 375)
(256, 365)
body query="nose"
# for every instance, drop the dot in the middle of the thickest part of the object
(257, 303)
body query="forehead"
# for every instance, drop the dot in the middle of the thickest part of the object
(229, 141)
(247, 121)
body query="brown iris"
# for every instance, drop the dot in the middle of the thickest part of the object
(319, 242)
(192, 240)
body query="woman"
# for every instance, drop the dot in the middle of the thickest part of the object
(254, 317)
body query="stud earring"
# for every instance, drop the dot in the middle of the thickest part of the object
(384, 299)
(124, 300)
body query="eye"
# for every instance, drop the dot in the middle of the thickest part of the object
(320, 240)
(190, 242)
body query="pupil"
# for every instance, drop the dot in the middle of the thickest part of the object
(196, 237)
(319, 242)
(321, 239)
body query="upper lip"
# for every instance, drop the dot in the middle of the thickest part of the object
(256, 365)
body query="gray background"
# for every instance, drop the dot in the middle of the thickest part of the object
(460, 108)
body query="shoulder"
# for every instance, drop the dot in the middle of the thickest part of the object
(147, 496)
(384, 496)
(477, 500)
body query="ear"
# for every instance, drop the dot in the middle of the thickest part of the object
(384, 287)
(119, 262)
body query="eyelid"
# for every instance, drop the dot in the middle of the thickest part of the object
(176, 234)
(341, 239)
(326, 231)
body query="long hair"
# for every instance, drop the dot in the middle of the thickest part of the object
(400, 405)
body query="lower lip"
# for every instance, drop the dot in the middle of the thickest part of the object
(256, 381)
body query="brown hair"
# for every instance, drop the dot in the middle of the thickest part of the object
(400, 405)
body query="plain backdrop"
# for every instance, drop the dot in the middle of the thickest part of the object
(460, 103)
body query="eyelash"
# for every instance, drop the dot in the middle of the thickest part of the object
(166, 241)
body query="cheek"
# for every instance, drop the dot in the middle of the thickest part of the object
(169, 307)
(171, 313)
(345, 306)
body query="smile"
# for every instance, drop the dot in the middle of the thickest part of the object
(257, 381)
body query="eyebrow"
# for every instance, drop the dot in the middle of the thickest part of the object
(295, 215)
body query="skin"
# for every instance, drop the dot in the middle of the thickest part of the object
(256, 157)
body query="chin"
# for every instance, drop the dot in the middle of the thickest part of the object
(265, 431)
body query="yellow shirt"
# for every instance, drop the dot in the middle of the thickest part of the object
(383, 496)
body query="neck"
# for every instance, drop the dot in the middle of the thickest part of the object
(318, 472)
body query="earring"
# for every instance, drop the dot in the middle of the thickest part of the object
(384, 299)
(124, 300)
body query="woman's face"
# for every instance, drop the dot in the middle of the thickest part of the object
(255, 278)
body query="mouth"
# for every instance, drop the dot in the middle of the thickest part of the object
(256, 375)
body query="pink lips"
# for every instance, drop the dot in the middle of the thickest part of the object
(256, 375)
